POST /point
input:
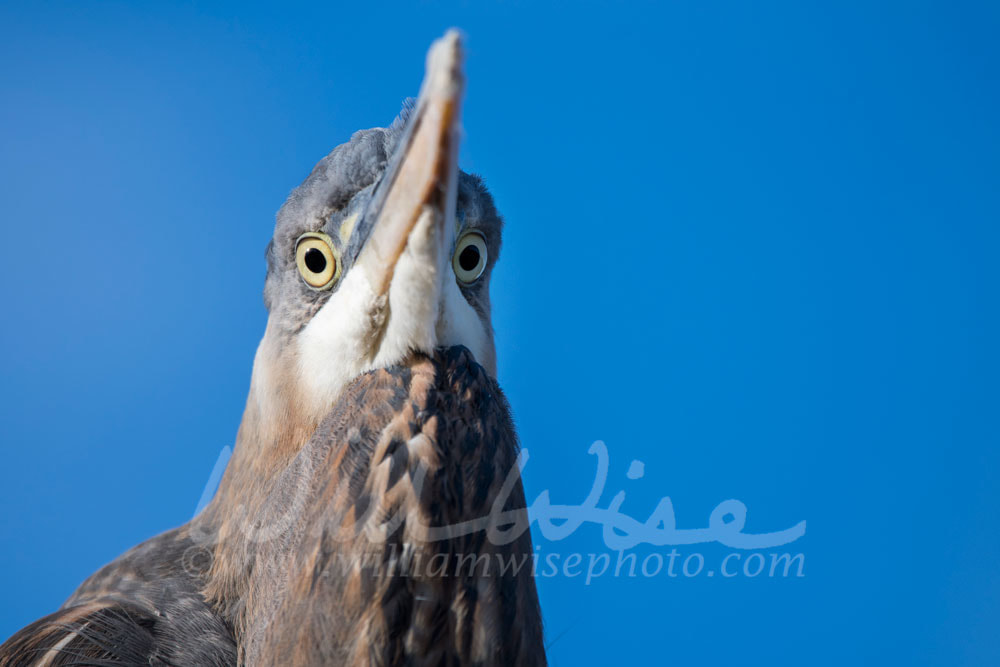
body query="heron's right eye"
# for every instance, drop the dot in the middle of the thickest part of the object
(317, 262)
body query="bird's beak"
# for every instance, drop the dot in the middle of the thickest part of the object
(416, 196)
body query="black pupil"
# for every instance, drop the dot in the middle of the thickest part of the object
(315, 260)
(469, 258)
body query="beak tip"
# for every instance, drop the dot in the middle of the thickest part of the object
(451, 42)
(444, 66)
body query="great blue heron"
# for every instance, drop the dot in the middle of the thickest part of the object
(372, 513)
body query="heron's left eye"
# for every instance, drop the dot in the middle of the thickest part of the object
(469, 260)
(316, 260)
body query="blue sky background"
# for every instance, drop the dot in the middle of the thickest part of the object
(753, 245)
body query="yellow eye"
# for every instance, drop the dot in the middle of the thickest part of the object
(316, 260)
(469, 260)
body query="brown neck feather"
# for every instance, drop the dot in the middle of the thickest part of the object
(273, 430)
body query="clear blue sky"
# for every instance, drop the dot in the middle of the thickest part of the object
(752, 245)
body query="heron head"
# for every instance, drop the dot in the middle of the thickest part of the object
(384, 250)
